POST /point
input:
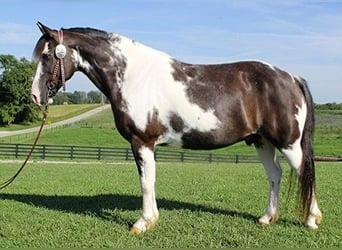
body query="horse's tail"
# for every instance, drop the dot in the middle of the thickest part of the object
(307, 172)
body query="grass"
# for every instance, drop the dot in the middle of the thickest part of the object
(201, 205)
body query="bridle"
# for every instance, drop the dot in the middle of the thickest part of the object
(60, 52)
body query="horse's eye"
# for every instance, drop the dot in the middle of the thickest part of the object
(46, 56)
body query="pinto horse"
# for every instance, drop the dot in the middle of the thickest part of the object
(157, 99)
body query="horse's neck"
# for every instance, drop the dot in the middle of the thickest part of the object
(140, 59)
(121, 65)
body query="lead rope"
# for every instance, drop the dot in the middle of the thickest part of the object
(10, 180)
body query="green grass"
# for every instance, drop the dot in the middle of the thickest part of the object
(201, 205)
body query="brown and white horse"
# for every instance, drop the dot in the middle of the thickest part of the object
(157, 99)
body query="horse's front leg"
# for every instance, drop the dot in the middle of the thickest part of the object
(144, 157)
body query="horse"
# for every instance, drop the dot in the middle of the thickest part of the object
(159, 100)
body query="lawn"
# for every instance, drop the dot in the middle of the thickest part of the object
(201, 205)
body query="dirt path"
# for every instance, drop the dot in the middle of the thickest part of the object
(56, 124)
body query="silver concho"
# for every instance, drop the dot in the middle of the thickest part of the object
(60, 51)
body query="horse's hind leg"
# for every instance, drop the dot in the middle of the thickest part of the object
(294, 157)
(267, 155)
(144, 158)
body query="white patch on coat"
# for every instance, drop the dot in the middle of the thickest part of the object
(35, 88)
(79, 61)
(46, 49)
(170, 138)
(149, 86)
(36, 83)
(294, 153)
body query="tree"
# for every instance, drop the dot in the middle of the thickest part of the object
(94, 97)
(78, 97)
(61, 98)
(16, 105)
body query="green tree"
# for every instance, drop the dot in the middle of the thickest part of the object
(16, 105)
(78, 97)
(94, 97)
(61, 98)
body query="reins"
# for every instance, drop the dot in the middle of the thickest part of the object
(10, 180)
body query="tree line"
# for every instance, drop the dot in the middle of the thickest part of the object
(329, 106)
(79, 97)
(17, 107)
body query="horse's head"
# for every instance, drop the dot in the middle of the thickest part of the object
(55, 64)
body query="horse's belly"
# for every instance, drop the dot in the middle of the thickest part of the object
(195, 139)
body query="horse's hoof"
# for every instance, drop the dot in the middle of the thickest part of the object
(135, 230)
(314, 220)
(142, 226)
(268, 219)
(319, 218)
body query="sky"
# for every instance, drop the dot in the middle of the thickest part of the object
(303, 37)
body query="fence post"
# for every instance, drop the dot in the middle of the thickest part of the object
(43, 152)
(16, 150)
(71, 152)
(182, 156)
(99, 153)
(127, 153)
(237, 159)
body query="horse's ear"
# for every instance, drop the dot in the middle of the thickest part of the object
(47, 31)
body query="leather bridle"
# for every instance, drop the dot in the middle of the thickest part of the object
(60, 52)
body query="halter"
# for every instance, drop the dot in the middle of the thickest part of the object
(60, 53)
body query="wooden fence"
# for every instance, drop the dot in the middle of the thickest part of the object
(8, 150)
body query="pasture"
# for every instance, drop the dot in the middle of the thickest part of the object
(72, 204)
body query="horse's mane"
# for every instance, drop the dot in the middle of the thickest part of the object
(90, 34)
(88, 31)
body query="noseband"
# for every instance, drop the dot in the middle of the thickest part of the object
(60, 53)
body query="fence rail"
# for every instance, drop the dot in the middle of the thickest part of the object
(8, 150)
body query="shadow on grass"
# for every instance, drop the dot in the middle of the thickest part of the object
(101, 205)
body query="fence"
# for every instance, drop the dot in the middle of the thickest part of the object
(8, 150)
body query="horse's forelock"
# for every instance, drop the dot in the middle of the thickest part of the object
(39, 47)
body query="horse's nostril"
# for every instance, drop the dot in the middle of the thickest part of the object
(35, 99)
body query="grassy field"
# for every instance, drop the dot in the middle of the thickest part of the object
(201, 205)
